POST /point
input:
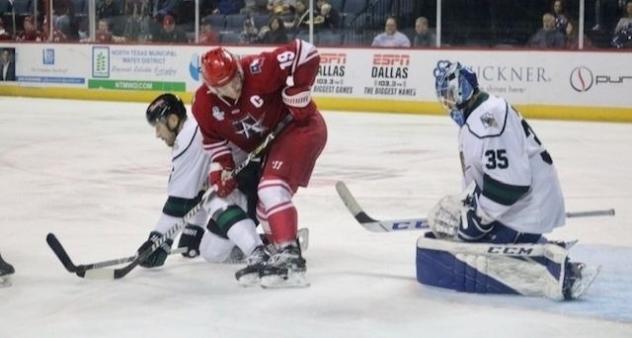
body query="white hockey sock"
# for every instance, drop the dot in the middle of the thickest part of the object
(244, 235)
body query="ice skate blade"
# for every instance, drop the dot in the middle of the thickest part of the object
(293, 280)
(249, 280)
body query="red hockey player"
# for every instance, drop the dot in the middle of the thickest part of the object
(242, 101)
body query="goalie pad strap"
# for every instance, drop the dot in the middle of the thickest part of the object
(526, 269)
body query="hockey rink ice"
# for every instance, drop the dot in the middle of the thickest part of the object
(94, 174)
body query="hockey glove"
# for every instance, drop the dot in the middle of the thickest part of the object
(158, 257)
(190, 239)
(221, 176)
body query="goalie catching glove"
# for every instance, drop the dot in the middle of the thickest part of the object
(458, 216)
(158, 257)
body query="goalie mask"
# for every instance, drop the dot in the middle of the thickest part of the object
(455, 85)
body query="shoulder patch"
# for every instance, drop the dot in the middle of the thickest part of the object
(490, 120)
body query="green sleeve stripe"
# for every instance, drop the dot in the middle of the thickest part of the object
(501, 193)
(229, 217)
(178, 206)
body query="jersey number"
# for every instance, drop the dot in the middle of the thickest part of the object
(285, 59)
(546, 157)
(497, 159)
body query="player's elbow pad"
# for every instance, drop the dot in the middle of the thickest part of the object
(299, 102)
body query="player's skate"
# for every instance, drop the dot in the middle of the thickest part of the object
(285, 269)
(236, 256)
(6, 270)
(578, 279)
(255, 263)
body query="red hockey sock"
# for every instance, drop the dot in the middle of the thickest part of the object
(284, 224)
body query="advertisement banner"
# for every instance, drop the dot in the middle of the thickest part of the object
(57, 65)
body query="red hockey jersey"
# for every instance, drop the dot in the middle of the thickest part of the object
(275, 84)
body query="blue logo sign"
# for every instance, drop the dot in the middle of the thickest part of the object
(194, 67)
(48, 56)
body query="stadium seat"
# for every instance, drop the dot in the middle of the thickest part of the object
(230, 38)
(235, 22)
(80, 7)
(337, 4)
(261, 20)
(354, 6)
(329, 39)
(218, 22)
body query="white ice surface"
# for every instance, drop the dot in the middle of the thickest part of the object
(94, 174)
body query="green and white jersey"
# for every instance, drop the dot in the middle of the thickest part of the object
(518, 181)
(189, 173)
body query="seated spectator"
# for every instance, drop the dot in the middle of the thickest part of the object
(623, 31)
(626, 21)
(138, 20)
(227, 7)
(249, 33)
(274, 33)
(280, 7)
(4, 35)
(561, 19)
(108, 9)
(30, 33)
(299, 19)
(423, 36)
(572, 37)
(104, 35)
(547, 36)
(391, 37)
(328, 19)
(208, 36)
(170, 33)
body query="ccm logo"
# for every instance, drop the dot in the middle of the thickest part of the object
(511, 251)
(391, 60)
(328, 58)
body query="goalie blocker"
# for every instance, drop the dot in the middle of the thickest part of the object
(524, 269)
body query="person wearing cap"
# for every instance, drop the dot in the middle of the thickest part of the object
(170, 33)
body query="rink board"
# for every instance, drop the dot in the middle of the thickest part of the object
(546, 84)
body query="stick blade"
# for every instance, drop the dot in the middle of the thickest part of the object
(60, 252)
(352, 204)
(97, 274)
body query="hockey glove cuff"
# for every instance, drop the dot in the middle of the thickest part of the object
(158, 257)
(190, 239)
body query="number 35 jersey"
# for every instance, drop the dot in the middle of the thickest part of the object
(514, 172)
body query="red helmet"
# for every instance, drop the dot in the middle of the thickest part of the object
(218, 67)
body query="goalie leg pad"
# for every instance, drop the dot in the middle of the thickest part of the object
(527, 269)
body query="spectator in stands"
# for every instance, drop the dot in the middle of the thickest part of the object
(623, 31)
(299, 18)
(328, 18)
(138, 15)
(227, 7)
(423, 37)
(208, 36)
(7, 66)
(280, 7)
(626, 21)
(274, 33)
(30, 33)
(170, 33)
(249, 33)
(547, 36)
(572, 37)
(104, 35)
(391, 37)
(561, 19)
(108, 9)
(163, 8)
(4, 35)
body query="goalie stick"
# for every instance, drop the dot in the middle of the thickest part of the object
(374, 225)
(91, 272)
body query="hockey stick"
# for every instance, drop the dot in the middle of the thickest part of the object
(375, 225)
(102, 273)
(64, 258)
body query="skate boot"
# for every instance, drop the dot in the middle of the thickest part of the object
(285, 269)
(6, 270)
(577, 279)
(302, 236)
(249, 275)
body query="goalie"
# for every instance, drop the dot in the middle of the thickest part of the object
(489, 239)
